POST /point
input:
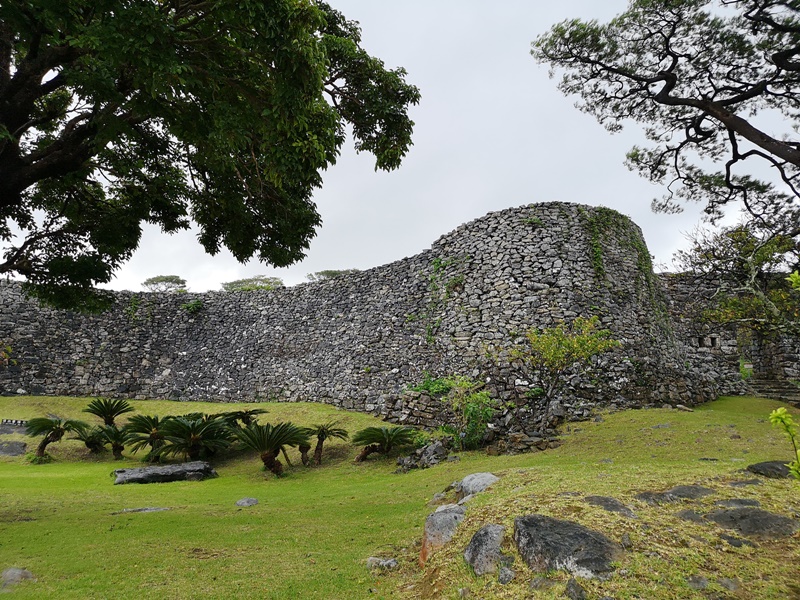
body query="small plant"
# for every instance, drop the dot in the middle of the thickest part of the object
(745, 368)
(473, 409)
(431, 385)
(133, 307)
(5, 356)
(381, 440)
(108, 409)
(781, 418)
(535, 221)
(193, 306)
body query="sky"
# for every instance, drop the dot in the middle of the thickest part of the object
(492, 132)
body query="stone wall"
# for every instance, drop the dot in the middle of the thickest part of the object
(359, 340)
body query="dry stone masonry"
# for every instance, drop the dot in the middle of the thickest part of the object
(359, 340)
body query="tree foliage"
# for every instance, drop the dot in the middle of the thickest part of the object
(249, 284)
(781, 418)
(164, 284)
(707, 79)
(381, 439)
(108, 409)
(269, 440)
(329, 274)
(553, 353)
(747, 266)
(472, 408)
(53, 429)
(114, 114)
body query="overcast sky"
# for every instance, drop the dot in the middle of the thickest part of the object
(492, 132)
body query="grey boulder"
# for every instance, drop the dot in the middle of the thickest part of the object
(483, 552)
(474, 484)
(440, 527)
(546, 543)
(754, 522)
(774, 469)
(190, 471)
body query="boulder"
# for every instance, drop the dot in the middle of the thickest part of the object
(423, 458)
(189, 471)
(754, 522)
(473, 484)
(440, 527)
(679, 492)
(546, 543)
(247, 502)
(610, 504)
(13, 576)
(383, 564)
(774, 469)
(483, 552)
(12, 448)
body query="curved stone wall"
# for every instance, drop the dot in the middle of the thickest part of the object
(357, 341)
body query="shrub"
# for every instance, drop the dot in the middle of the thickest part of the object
(780, 417)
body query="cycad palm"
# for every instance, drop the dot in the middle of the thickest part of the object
(381, 439)
(324, 432)
(269, 440)
(147, 432)
(52, 430)
(194, 437)
(114, 437)
(90, 436)
(108, 409)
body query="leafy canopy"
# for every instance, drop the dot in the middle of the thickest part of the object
(224, 113)
(746, 266)
(164, 283)
(249, 284)
(552, 353)
(703, 77)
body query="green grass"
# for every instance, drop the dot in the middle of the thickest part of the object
(312, 531)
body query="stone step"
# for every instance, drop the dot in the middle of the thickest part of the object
(776, 390)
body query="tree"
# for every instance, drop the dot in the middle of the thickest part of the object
(115, 437)
(53, 429)
(249, 284)
(164, 284)
(147, 432)
(381, 440)
(329, 274)
(194, 438)
(746, 266)
(90, 436)
(222, 113)
(269, 440)
(324, 431)
(702, 76)
(472, 407)
(108, 409)
(553, 353)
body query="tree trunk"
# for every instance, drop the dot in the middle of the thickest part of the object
(271, 463)
(304, 448)
(286, 456)
(367, 451)
(40, 449)
(318, 452)
(116, 450)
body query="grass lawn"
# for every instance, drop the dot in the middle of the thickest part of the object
(312, 531)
